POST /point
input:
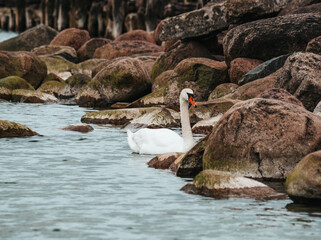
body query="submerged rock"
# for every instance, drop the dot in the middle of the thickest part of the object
(82, 127)
(262, 138)
(222, 185)
(303, 184)
(12, 129)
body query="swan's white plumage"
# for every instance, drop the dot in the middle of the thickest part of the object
(155, 141)
(158, 141)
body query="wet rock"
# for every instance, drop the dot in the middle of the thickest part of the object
(31, 96)
(125, 48)
(265, 69)
(66, 52)
(300, 76)
(87, 50)
(124, 80)
(163, 161)
(206, 126)
(262, 138)
(314, 46)
(191, 163)
(277, 36)
(82, 127)
(280, 94)
(12, 129)
(214, 17)
(73, 86)
(23, 64)
(169, 60)
(33, 37)
(116, 116)
(241, 66)
(222, 90)
(253, 89)
(139, 35)
(87, 67)
(303, 184)
(71, 37)
(222, 185)
(58, 66)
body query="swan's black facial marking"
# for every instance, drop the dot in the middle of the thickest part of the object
(191, 100)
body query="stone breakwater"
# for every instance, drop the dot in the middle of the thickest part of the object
(255, 69)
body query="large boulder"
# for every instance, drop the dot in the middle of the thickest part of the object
(222, 185)
(124, 80)
(23, 64)
(87, 50)
(33, 37)
(276, 36)
(126, 48)
(87, 67)
(170, 59)
(301, 76)
(58, 65)
(138, 34)
(303, 184)
(214, 17)
(10, 83)
(12, 129)
(73, 86)
(71, 37)
(262, 138)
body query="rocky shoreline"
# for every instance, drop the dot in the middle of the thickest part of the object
(255, 70)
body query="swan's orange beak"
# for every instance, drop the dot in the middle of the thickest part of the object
(192, 101)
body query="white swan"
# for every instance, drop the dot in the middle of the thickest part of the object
(158, 141)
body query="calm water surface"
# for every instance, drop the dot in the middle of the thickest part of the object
(69, 185)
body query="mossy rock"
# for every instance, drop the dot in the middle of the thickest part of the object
(222, 90)
(53, 77)
(88, 66)
(58, 65)
(303, 183)
(5, 94)
(51, 87)
(12, 129)
(155, 98)
(15, 82)
(73, 85)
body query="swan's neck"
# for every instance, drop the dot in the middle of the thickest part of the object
(186, 125)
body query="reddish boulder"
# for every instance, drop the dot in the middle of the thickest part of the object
(163, 161)
(81, 127)
(240, 66)
(126, 48)
(262, 138)
(314, 46)
(23, 64)
(72, 37)
(139, 35)
(87, 50)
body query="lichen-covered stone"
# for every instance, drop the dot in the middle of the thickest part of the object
(73, 85)
(206, 126)
(222, 90)
(51, 87)
(59, 66)
(163, 161)
(12, 129)
(124, 80)
(222, 185)
(303, 184)
(66, 52)
(262, 138)
(15, 82)
(87, 67)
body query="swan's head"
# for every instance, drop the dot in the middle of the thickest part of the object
(187, 95)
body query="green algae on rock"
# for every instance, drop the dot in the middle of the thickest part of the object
(303, 184)
(32, 96)
(15, 82)
(12, 129)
